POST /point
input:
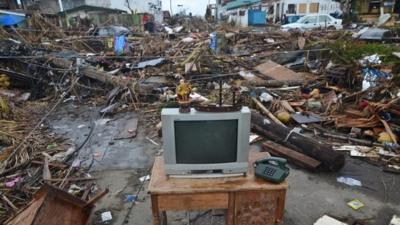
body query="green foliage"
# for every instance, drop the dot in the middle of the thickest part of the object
(353, 50)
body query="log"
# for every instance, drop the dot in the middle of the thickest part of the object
(91, 72)
(330, 160)
(294, 157)
(270, 83)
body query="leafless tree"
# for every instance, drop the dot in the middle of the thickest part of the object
(128, 5)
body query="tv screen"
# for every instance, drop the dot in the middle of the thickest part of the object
(206, 142)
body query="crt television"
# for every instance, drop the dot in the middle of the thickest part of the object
(198, 143)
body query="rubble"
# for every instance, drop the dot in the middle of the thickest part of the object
(316, 96)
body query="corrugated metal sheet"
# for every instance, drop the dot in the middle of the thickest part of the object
(239, 3)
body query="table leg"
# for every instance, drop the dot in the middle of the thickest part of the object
(164, 218)
(155, 211)
(281, 207)
(230, 213)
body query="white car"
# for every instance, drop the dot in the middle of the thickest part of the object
(314, 21)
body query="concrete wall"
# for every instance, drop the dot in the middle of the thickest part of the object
(70, 4)
(52, 6)
(324, 6)
(236, 17)
(45, 6)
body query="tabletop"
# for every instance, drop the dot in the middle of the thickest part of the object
(160, 183)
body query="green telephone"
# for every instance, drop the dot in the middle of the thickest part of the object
(272, 169)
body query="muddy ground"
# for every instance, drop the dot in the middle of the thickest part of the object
(120, 163)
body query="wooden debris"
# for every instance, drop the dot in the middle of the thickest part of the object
(275, 71)
(293, 156)
(52, 206)
(324, 153)
(267, 112)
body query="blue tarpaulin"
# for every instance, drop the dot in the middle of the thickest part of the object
(257, 17)
(10, 20)
(119, 44)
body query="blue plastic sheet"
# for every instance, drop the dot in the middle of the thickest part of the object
(372, 76)
(119, 44)
(213, 41)
(10, 20)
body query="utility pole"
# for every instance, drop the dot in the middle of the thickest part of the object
(61, 5)
(170, 7)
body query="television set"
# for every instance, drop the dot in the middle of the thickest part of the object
(201, 143)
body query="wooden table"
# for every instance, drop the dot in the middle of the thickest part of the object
(248, 200)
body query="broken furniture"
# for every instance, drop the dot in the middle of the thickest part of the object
(52, 206)
(248, 200)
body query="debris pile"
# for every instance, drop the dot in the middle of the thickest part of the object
(316, 96)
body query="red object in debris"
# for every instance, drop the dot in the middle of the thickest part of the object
(363, 104)
(145, 18)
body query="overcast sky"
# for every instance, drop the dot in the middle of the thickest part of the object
(196, 7)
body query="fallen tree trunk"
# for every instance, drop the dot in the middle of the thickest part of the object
(91, 72)
(331, 160)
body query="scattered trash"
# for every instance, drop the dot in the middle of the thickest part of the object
(306, 118)
(153, 62)
(327, 220)
(265, 97)
(74, 189)
(152, 141)
(52, 146)
(130, 198)
(106, 216)
(13, 182)
(144, 178)
(395, 220)
(355, 204)
(349, 181)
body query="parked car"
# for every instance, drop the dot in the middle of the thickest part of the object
(291, 19)
(313, 21)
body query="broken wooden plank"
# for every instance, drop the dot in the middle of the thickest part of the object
(97, 197)
(275, 71)
(51, 164)
(72, 179)
(296, 158)
(52, 206)
(9, 203)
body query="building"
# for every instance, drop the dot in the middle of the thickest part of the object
(56, 6)
(153, 7)
(303, 7)
(363, 7)
(95, 14)
(276, 9)
(371, 10)
(237, 11)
